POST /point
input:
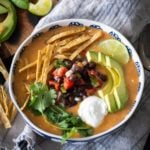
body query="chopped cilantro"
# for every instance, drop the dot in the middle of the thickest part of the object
(41, 97)
(42, 102)
(59, 63)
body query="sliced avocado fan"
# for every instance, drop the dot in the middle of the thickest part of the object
(114, 92)
(8, 25)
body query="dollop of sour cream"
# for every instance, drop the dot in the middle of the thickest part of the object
(92, 111)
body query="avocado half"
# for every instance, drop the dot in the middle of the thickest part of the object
(114, 92)
(41, 7)
(8, 25)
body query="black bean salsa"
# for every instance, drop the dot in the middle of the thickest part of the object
(75, 80)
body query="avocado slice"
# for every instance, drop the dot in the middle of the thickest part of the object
(92, 56)
(8, 25)
(120, 89)
(111, 103)
(99, 58)
(114, 92)
(3, 10)
(107, 87)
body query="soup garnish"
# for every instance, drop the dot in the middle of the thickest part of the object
(73, 88)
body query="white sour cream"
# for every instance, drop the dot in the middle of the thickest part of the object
(92, 110)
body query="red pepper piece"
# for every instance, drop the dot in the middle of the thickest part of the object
(68, 84)
(60, 72)
(54, 84)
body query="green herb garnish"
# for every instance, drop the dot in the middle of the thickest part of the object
(41, 97)
(94, 81)
(42, 100)
(67, 122)
(59, 63)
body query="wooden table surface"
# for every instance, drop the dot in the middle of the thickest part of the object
(25, 25)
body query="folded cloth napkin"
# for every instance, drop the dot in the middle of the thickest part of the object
(128, 17)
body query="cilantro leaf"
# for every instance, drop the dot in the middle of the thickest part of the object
(41, 97)
(67, 122)
(69, 134)
(42, 101)
(59, 63)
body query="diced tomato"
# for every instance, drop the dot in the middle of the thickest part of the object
(54, 73)
(60, 72)
(68, 84)
(91, 91)
(54, 84)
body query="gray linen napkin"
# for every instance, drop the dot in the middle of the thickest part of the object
(128, 17)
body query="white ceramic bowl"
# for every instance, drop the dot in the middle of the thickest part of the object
(79, 22)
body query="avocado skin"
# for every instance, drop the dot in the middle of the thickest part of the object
(9, 24)
(116, 97)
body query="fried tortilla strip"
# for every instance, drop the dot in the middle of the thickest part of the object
(74, 43)
(28, 66)
(4, 118)
(65, 34)
(51, 66)
(13, 113)
(27, 87)
(49, 52)
(3, 70)
(10, 105)
(25, 103)
(96, 36)
(1, 97)
(4, 100)
(59, 56)
(65, 41)
(39, 65)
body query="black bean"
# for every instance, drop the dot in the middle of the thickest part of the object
(85, 75)
(91, 65)
(103, 77)
(68, 63)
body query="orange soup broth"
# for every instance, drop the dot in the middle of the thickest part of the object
(30, 55)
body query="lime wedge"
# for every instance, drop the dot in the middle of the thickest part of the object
(41, 8)
(115, 49)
